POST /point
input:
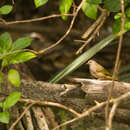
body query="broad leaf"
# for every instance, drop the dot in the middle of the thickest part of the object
(117, 16)
(112, 5)
(117, 26)
(11, 100)
(20, 57)
(21, 43)
(6, 9)
(39, 3)
(4, 117)
(64, 7)
(90, 10)
(14, 77)
(5, 42)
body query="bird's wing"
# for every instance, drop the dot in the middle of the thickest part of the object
(102, 70)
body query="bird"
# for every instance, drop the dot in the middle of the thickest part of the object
(98, 71)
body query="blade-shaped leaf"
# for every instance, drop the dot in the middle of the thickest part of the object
(39, 3)
(11, 100)
(14, 77)
(83, 58)
(4, 117)
(21, 43)
(6, 9)
(5, 42)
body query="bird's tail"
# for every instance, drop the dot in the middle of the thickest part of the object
(110, 78)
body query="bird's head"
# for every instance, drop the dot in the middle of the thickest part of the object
(90, 62)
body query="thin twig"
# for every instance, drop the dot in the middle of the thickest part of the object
(97, 106)
(94, 33)
(34, 20)
(41, 103)
(117, 59)
(94, 25)
(50, 104)
(111, 115)
(67, 32)
(21, 116)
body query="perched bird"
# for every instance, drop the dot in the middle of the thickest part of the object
(98, 71)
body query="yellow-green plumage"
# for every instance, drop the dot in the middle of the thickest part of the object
(98, 71)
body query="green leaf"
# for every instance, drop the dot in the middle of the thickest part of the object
(11, 100)
(127, 2)
(5, 42)
(127, 23)
(117, 16)
(4, 117)
(94, 1)
(90, 10)
(112, 5)
(39, 3)
(14, 77)
(83, 58)
(4, 63)
(117, 26)
(6, 9)
(127, 12)
(20, 57)
(21, 43)
(64, 7)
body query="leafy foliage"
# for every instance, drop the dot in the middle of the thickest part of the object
(5, 42)
(20, 57)
(11, 100)
(117, 24)
(13, 77)
(4, 117)
(64, 7)
(21, 43)
(90, 10)
(39, 3)
(12, 53)
(6, 9)
(112, 5)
